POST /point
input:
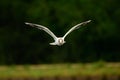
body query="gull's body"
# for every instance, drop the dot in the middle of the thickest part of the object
(58, 40)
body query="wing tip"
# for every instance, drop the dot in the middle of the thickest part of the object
(89, 21)
(27, 23)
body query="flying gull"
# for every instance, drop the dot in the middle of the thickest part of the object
(58, 40)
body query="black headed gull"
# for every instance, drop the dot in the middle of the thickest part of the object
(58, 40)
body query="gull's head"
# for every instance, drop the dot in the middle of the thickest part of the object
(61, 41)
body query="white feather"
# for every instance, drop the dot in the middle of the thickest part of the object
(76, 27)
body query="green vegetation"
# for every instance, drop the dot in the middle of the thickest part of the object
(89, 69)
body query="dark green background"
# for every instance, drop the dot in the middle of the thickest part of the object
(22, 44)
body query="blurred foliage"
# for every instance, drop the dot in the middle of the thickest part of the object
(21, 44)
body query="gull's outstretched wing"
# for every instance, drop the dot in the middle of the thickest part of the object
(42, 28)
(76, 27)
